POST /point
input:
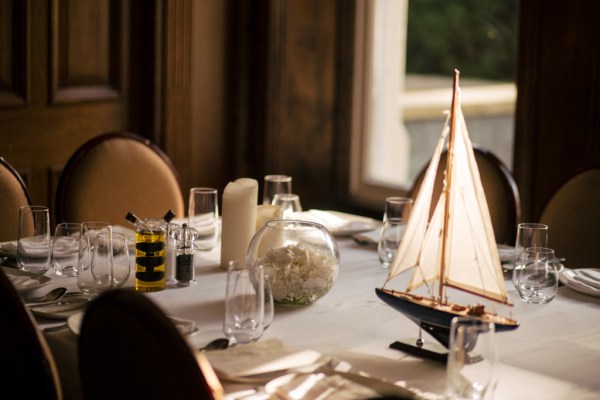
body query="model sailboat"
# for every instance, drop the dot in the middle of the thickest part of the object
(455, 248)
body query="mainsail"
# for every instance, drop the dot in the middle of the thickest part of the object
(456, 247)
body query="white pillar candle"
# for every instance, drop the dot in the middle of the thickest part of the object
(240, 199)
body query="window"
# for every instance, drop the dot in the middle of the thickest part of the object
(405, 55)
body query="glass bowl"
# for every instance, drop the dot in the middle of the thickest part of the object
(300, 259)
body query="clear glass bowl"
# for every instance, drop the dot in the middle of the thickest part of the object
(300, 259)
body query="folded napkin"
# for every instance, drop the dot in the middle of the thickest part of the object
(337, 223)
(23, 282)
(258, 358)
(322, 386)
(9, 249)
(586, 279)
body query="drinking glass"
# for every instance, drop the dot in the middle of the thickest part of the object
(121, 268)
(289, 203)
(203, 215)
(395, 216)
(276, 184)
(537, 277)
(244, 302)
(65, 248)
(33, 244)
(94, 271)
(470, 371)
(528, 235)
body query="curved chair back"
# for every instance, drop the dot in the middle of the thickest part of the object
(129, 349)
(13, 195)
(114, 173)
(573, 218)
(500, 190)
(28, 370)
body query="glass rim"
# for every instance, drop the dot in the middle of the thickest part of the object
(399, 199)
(539, 249)
(278, 178)
(283, 224)
(532, 225)
(34, 208)
(203, 190)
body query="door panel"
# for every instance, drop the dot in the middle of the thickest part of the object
(63, 80)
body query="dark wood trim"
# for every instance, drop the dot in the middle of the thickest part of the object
(16, 92)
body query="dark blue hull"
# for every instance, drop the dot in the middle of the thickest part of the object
(436, 322)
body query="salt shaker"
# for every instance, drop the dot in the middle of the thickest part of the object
(184, 255)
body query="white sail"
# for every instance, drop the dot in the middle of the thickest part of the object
(471, 261)
(410, 250)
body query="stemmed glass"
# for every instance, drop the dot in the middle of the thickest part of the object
(203, 215)
(395, 216)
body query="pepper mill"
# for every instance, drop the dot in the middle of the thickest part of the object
(184, 255)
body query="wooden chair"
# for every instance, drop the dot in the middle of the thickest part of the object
(114, 173)
(500, 189)
(13, 195)
(573, 218)
(27, 368)
(129, 349)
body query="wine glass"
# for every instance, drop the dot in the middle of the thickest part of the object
(396, 213)
(289, 203)
(33, 244)
(537, 277)
(121, 268)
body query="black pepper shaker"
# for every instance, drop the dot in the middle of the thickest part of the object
(184, 255)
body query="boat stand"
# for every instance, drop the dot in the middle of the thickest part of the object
(418, 347)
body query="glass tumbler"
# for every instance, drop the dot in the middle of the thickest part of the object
(203, 215)
(289, 203)
(65, 248)
(396, 214)
(276, 184)
(244, 302)
(528, 235)
(471, 367)
(33, 244)
(94, 260)
(537, 278)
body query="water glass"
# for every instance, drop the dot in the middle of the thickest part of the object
(276, 184)
(33, 244)
(396, 214)
(65, 248)
(537, 277)
(94, 271)
(289, 203)
(470, 371)
(121, 267)
(203, 215)
(528, 235)
(244, 302)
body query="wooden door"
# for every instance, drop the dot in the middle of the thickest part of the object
(63, 79)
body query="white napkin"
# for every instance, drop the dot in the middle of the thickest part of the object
(23, 282)
(258, 358)
(588, 279)
(322, 386)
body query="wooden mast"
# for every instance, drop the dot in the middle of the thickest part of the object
(448, 186)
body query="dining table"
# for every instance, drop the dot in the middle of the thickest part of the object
(554, 353)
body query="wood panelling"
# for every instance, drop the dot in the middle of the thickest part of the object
(13, 52)
(558, 106)
(86, 50)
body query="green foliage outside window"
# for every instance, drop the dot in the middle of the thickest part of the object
(476, 36)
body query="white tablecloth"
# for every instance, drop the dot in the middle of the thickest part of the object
(554, 354)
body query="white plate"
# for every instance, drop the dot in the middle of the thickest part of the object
(567, 278)
(63, 308)
(338, 223)
(187, 328)
(38, 280)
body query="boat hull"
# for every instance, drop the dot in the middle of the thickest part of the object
(435, 321)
